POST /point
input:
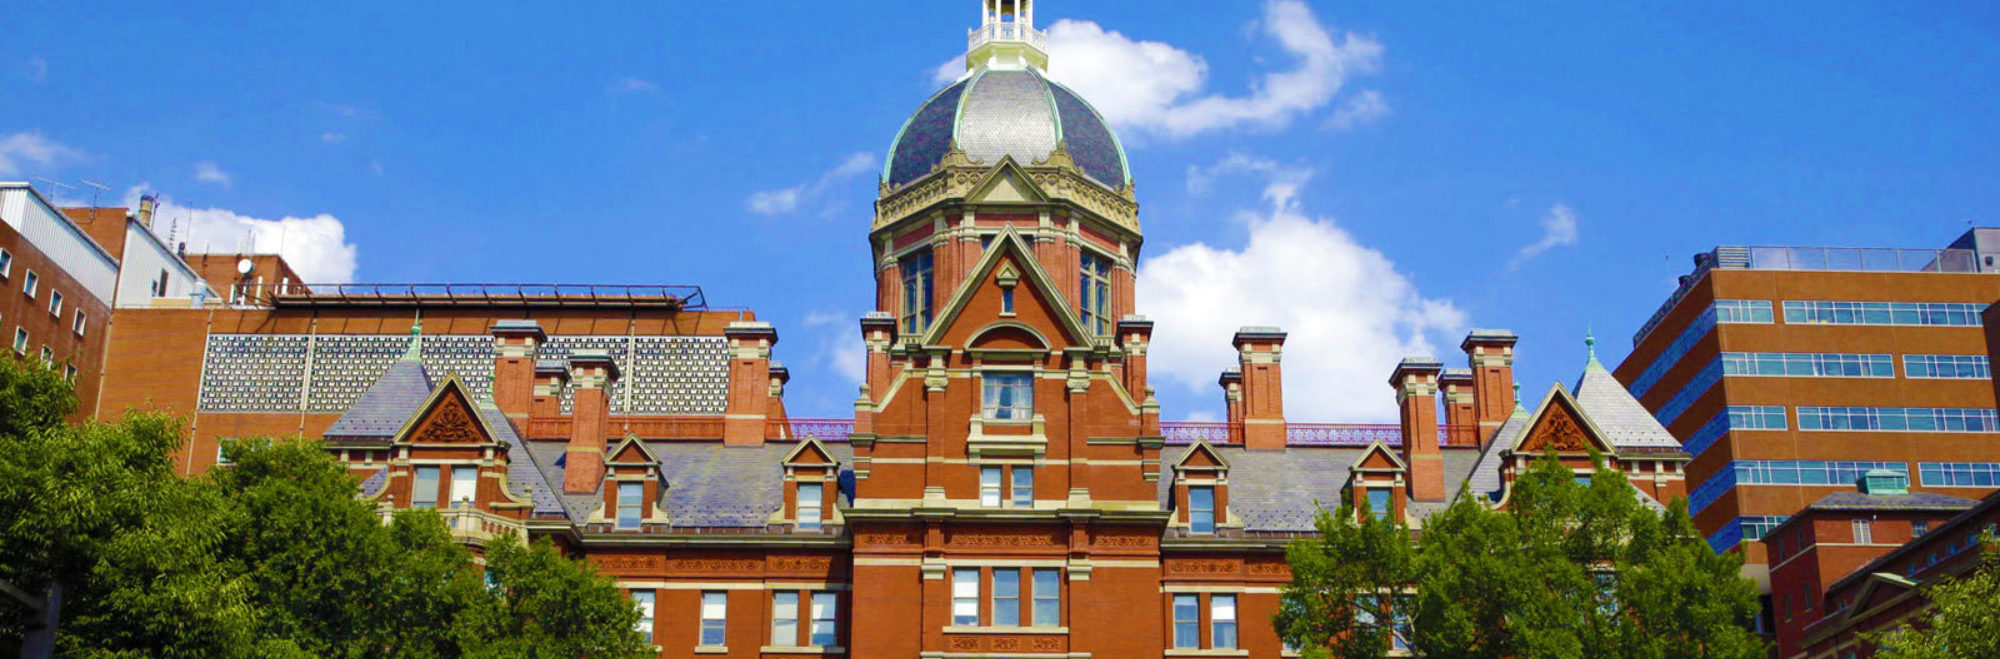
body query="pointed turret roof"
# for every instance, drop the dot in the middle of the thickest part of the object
(1625, 422)
(381, 410)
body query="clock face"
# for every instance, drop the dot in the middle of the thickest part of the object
(243, 267)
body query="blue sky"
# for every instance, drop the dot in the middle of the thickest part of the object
(1374, 176)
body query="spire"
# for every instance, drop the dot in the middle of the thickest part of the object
(1006, 37)
(1518, 409)
(415, 353)
(1590, 347)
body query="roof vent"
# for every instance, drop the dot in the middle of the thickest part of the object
(1883, 481)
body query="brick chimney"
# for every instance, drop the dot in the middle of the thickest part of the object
(749, 382)
(1462, 428)
(1258, 351)
(774, 409)
(1135, 335)
(551, 379)
(591, 372)
(514, 344)
(878, 333)
(147, 204)
(1231, 382)
(1491, 353)
(1416, 383)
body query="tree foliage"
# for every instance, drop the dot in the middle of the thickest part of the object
(1569, 569)
(274, 556)
(1962, 621)
(1322, 600)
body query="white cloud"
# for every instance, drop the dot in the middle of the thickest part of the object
(785, 201)
(315, 246)
(21, 150)
(206, 171)
(1157, 88)
(332, 138)
(1350, 313)
(1360, 109)
(629, 85)
(1558, 229)
(37, 69)
(1201, 179)
(838, 348)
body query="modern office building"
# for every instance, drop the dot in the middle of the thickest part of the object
(1788, 372)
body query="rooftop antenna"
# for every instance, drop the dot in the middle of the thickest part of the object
(97, 189)
(56, 184)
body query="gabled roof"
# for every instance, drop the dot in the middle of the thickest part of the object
(1619, 417)
(1558, 423)
(631, 451)
(1378, 457)
(447, 416)
(811, 453)
(1201, 456)
(1008, 243)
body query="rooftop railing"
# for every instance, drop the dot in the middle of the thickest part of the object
(581, 295)
(1821, 259)
(981, 36)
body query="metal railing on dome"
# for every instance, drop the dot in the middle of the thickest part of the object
(980, 36)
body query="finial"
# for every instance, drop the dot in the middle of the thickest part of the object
(416, 351)
(1518, 408)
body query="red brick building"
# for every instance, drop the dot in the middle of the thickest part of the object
(1005, 486)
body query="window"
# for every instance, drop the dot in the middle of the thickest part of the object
(1790, 364)
(464, 485)
(1222, 622)
(1048, 597)
(1947, 314)
(1899, 419)
(1024, 486)
(160, 285)
(810, 495)
(1007, 301)
(222, 453)
(1757, 417)
(824, 616)
(785, 619)
(916, 293)
(714, 617)
(1094, 295)
(1959, 474)
(69, 373)
(989, 487)
(1743, 311)
(1006, 598)
(1755, 526)
(1696, 387)
(1682, 343)
(28, 285)
(630, 507)
(1187, 621)
(965, 596)
(644, 600)
(20, 340)
(1201, 509)
(1378, 502)
(1969, 367)
(1009, 396)
(1918, 529)
(48, 356)
(425, 492)
(55, 303)
(6, 264)
(79, 324)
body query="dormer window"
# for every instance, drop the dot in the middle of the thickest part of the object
(1009, 396)
(631, 506)
(1201, 509)
(1007, 280)
(809, 506)
(1380, 502)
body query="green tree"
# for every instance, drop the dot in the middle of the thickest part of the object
(1346, 594)
(546, 606)
(1962, 621)
(1571, 568)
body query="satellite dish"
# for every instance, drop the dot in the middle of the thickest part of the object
(243, 267)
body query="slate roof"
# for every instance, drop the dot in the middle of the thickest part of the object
(1276, 490)
(386, 406)
(1625, 422)
(373, 484)
(1911, 501)
(524, 477)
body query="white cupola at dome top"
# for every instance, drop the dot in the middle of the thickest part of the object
(1006, 37)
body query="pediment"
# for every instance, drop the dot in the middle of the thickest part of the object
(810, 453)
(977, 304)
(1201, 457)
(1007, 184)
(447, 418)
(1880, 588)
(632, 452)
(1379, 457)
(1559, 425)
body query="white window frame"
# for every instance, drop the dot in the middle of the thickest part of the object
(714, 630)
(631, 509)
(1049, 593)
(69, 373)
(1198, 516)
(6, 264)
(48, 356)
(1022, 482)
(645, 600)
(420, 496)
(1192, 640)
(825, 629)
(55, 303)
(1005, 606)
(965, 597)
(785, 619)
(996, 387)
(810, 508)
(21, 341)
(29, 284)
(1222, 621)
(992, 479)
(1864, 532)
(80, 324)
(464, 489)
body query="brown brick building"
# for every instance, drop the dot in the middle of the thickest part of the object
(56, 290)
(1005, 486)
(1788, 372)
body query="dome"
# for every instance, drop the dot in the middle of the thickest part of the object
(995, 113)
